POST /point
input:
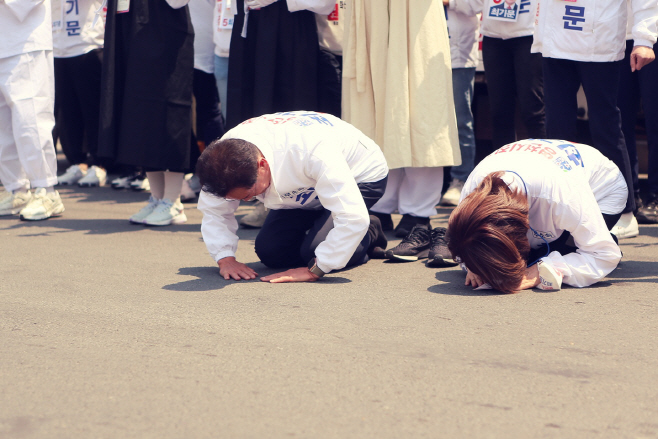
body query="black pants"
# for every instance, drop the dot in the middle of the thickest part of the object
(565, 244)
(209, 119)
(513, 73)
(600, 81)
(289, 236)
(641, 85)
(77, 93)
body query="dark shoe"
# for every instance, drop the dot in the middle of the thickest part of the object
(439, 255)
(638, 203)
(378, 241)
(408, 222)
(414, 246)
(648, 214)
(385, 219)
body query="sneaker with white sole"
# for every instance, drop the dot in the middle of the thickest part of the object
(72, 175)
(11, 204)
(626, 227)
(439, 255)
(186, 192)
(414, 246)
(452, 195)
(43, 205)
(256, 218)
(140, 216)
(166, 213)
(95, 177)
(141, 183)
(123, 181)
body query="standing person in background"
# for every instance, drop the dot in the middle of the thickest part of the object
(330, 35)
(512, 71)
(584, 45)
(223, 13)
(27, 101)
(146, 99)
(78, 51)
(397, 89)
(209, 119)
(274, 64)
(636, 87)
(463, 31)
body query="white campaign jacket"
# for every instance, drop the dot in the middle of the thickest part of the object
(331, 28)
(522, 27)
(76, 30)
(25, 26)
(201, 14)
(463, 31)
(316, 161)
(568, 186)
(592, 30)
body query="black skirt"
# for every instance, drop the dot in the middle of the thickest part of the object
(146, 86)
(275, 68)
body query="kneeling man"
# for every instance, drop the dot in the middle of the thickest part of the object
(317, 174)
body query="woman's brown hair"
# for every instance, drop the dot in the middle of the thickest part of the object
(487, 232)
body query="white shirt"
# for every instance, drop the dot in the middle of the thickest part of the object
(316, 161)
(74, 32)
(223, 16)
(592, 30)
(331, 28)
(25, 26)
(568, 186)
(463, 31)
(201, 14)
(489, 27)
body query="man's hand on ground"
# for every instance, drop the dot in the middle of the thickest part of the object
(301, 274)
(229, 268)
(641, 56)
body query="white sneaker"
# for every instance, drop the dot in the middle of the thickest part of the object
(626, 227)
(43, 205)
(166, 213)
(186, 192)
(256, 218)
(72, 175)
(139, 217)
(141, 183)
(95, 177)
(11, 204)
(452, 195)
(123, 182)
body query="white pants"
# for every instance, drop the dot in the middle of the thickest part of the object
(27, 96)
(413, 191)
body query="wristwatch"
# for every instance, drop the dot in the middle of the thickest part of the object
(313, 268)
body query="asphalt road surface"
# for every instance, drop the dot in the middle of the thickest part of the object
(113, 330)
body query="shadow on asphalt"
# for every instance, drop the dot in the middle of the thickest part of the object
(91, 226)
(627, 272)
(208, 278)
(637, 271)
(455, 278)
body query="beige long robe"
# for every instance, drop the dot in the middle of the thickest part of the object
(397, 80)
